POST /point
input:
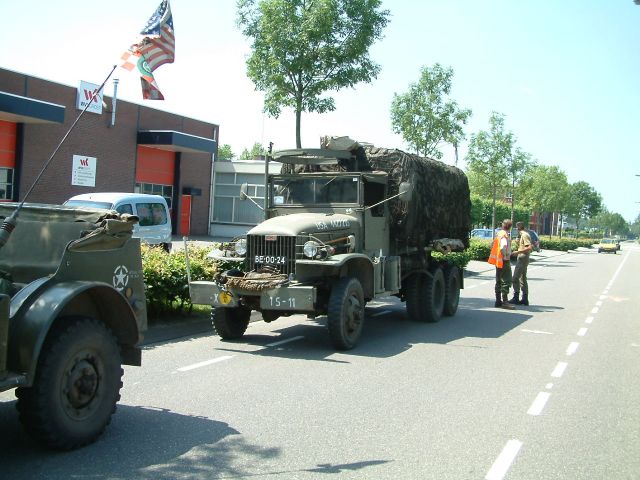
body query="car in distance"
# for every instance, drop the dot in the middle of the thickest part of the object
(482, 233)
(607, 245)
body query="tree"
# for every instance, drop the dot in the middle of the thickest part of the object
(225, 153)
(487, 160)
(519, 165)
(548, 190)
(423, 115)
(584, 201)
(304, 48)
(611, 223)
(256, 152)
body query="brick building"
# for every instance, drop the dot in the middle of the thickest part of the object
(145, 150)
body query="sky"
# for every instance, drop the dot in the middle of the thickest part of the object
(565, 74)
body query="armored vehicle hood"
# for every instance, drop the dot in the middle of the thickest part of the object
(297, 223)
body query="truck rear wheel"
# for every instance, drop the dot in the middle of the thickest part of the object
(452, 291)
(345, 315)
(230, 323)
(425, 296)
(76, 386)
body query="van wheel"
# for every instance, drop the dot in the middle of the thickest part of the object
(76, 386)
(345, 315)
(451, 291)
(230, 323)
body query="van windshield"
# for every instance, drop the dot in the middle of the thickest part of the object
(88, 204)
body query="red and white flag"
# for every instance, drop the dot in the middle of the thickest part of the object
(155, 47)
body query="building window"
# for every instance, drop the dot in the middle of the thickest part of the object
(227, 206)
(6, 183)
(165, 191)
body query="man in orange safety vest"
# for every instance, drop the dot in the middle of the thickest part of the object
(500, 257)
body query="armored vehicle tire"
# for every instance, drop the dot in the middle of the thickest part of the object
(451, 291)
(76, 386)
(230, 323)
(345, 315)
(425, 296)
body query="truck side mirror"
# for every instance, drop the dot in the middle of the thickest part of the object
(406, 191)
(243, 191)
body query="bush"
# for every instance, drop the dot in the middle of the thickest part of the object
(459, 259)
(479, 249)
(564, 244)
(165, 277)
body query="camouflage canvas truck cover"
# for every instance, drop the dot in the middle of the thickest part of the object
(344, 225)
(72, 311)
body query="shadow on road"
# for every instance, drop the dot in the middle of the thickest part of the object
(387, 332)
(147, 443)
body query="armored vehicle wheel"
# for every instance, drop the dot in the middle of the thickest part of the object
(76, 387)
(230, 323)
(345, 315)
(425, 296)
(451, 291)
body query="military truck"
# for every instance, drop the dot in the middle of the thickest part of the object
(72, 311)
(345, 224)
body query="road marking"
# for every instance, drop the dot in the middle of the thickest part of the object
(384, 312)
(538, 404)
(603, 297)
(559, 370)
(282, 342)
(599, 303)
(605, 292)
(205, 363)
(594, 310)
(549, 386)
(589, 320)
(582, 332)
(615, 275)
(571, 349)
(541, 332)
(502, 464)
(635, 345)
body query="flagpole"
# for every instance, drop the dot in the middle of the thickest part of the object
(113, 101)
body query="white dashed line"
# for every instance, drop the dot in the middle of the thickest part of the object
(502, 464)
(589, 320)
(384, 312)
(582, 332)
(282, 342)
(205, 363)
(599, 303)
(571, 349)
(603, 297)
(594, 310)
(538, 404)
(559, 370)
(549, 386)
(540, 332)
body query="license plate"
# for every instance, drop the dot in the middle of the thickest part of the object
(270, 260)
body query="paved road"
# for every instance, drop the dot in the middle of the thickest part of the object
(548, 391)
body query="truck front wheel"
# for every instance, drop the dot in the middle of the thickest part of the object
(76, 386)
(345, 315)
(230, 323)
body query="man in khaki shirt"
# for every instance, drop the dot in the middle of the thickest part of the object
(525, 247)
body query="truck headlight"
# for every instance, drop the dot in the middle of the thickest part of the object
(310, 249)
(241, 247)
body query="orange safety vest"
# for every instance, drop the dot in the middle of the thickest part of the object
(495, 257)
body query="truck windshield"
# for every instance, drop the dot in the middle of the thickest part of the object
(314, 190)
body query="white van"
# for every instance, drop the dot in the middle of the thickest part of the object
(154, 226)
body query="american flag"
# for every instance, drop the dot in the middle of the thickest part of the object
(156, 47)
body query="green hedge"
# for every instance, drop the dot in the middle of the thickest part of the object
(564, 244)
(165, 277)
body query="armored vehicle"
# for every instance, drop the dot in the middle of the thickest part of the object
(72, 311)
(345, 225)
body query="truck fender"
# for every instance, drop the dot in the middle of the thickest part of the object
(30, 328)
(360, 267)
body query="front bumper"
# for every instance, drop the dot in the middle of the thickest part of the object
(290, 298)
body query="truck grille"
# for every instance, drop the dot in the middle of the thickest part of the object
(273, 251)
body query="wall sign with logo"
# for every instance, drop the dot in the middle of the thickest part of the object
(83, 172)
(85, 92)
